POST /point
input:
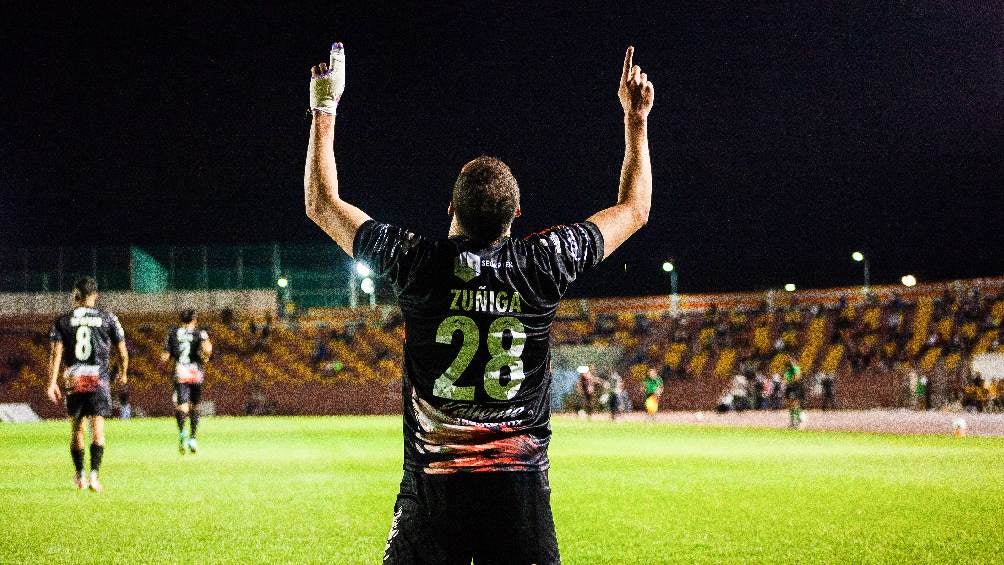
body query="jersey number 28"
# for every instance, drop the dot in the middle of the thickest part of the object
(501, 357)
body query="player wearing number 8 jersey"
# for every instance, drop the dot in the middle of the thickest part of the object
(478, 307)
(189, 348)
(81, 342)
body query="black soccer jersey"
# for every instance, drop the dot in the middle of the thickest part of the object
(477, 381)
(87, 335)
(184, 345)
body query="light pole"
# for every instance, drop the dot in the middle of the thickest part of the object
(859, 257)
(366, 284)
(674, 283)
(369, 288)
(284, 294)
(909, 281)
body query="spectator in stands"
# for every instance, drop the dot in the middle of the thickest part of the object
(321, 351)
(997, 394)
(666, 373)
(125, 409)
(829, 400)
(760, 386)
(227, 318)
(740, 393)
(779, 345)
(257, 403)
(266, 329)
(606, 324)
(585, 386)
(923, 394)
(642, 325)
(350, 332)
(724, 403)
(975, 395)
(776, 390)
(615, 390)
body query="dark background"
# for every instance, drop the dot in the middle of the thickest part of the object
(783, 137)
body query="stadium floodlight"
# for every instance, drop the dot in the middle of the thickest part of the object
(909, 280)
(859, 257)
(362, 269)
(283, 282)
(674, 287)
(790, 287)
(367, 285)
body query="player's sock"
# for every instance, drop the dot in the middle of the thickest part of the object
(193, 417)
(97, 452)
(179, 416)
(78, 459)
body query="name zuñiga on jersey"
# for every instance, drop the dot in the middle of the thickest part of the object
(477, 380)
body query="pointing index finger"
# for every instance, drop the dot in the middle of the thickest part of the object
(337, 54)
(628, 64)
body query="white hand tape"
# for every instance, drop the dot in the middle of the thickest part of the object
(326, 90)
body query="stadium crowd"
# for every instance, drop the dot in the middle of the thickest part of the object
(729, 356)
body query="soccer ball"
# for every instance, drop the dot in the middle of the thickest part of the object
(959, 426)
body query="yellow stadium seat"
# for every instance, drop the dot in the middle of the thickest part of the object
(726, 360)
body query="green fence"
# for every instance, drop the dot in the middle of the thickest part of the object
(315, 275)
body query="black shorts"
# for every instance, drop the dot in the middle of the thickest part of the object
(794, 391)
(492, 518)
(97, 403)
(185, 393)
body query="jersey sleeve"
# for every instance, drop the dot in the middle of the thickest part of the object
(386, 249)
(116, 333)
(569, 251)
(203, 335)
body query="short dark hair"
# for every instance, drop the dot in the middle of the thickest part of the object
(84, 287)
(187, 315)
(485, 198)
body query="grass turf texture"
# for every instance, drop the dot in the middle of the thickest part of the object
(322, 490)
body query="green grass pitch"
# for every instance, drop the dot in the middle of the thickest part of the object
(296, 490)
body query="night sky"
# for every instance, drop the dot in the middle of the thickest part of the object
(782, 138)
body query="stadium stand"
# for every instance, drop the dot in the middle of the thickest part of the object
(345, 361)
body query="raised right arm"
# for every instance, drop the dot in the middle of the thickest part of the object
(634, 196)
(339, 219)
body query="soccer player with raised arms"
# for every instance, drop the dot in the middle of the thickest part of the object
(478, 307)
(81, 342)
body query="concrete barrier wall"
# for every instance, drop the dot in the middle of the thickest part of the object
(52, 303)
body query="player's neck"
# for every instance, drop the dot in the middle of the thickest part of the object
(88, 302)
(457, 230)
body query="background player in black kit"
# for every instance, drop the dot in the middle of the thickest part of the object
(189, 348)
(478, 308)
(81, 342)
